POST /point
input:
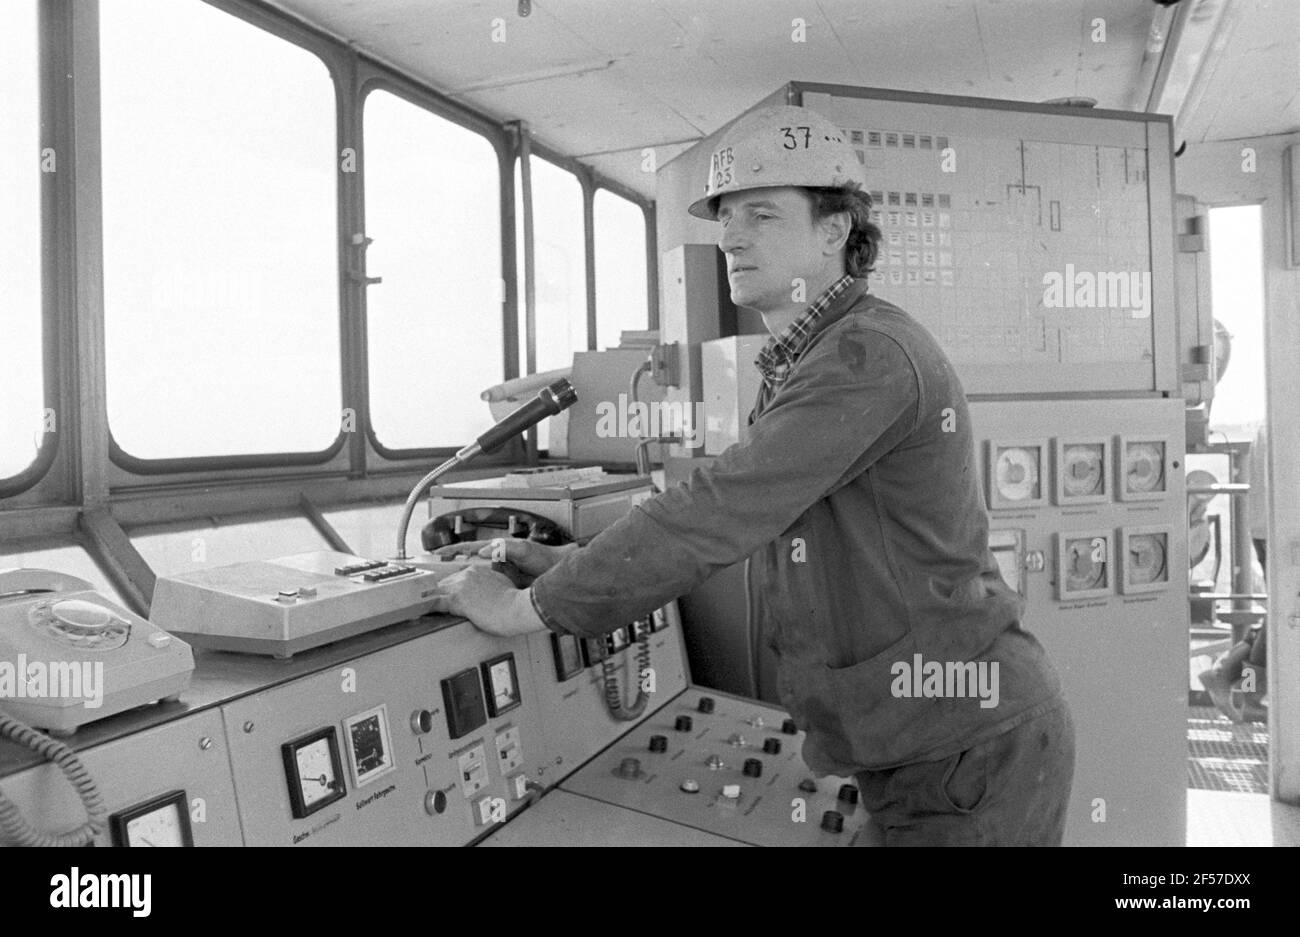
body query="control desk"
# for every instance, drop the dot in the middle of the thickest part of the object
(431, 732)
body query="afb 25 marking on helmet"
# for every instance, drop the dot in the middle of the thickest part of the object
(778, 146)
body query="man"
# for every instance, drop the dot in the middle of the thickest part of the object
(859, 491)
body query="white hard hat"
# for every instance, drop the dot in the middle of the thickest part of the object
(776, 146)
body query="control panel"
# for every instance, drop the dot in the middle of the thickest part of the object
(1089, 527)
(166, 786)
(726, 766)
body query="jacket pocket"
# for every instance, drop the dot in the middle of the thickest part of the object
(873, 720)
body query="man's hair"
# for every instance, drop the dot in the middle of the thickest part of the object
(863, 245)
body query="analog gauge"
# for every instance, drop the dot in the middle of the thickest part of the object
(502, 683)
(1016, 474)
(1084, 470)
(1144, 467)
(1085, 565)
(163, 821)
(1146, 557)
(314, 771)
(370, 748)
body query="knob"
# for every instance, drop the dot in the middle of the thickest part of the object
(715, 763)
(848, 794)
(658, 743)
(706, 704)
(789, 728)
(691, 787)
(833, 821)
(771, 746)
(753, 768)
(629, 768)
(808, 786)
(683, 724)
(422, 722)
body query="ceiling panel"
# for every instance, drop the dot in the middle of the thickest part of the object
(603, 80)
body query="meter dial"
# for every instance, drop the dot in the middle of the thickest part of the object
(314, 771)
(1084, 565)
(1144, 467)
(1016, 475)
(1083, 471)
(163, 821)
(1147, 559)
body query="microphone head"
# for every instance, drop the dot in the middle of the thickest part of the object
(563, 395)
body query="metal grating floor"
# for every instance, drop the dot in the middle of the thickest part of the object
(1222, 756)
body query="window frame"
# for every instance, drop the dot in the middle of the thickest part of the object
(373, 78)
(54, 108)
(651, 260)
(80, 464)
(328, 55)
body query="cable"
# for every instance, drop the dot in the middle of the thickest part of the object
(17, 831)
(614, 694)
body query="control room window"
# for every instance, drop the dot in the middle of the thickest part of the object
(433, 207)
(220, 235)
(560, 265)
(621, 303)
(22, 418)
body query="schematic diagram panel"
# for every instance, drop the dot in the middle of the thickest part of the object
(1035, 247)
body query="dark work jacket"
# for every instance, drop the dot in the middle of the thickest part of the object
(858, 489)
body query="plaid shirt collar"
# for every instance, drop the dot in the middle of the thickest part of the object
(783, 350)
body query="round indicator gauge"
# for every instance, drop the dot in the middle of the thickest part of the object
(1145, 467)
(1085, 470)
(1147, 559)
(1085, 565)
(1016, 473)
(316, 777)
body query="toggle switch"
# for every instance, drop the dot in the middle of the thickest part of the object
(715, 763)
(737, 740)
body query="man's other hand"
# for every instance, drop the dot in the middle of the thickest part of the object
(489, 600)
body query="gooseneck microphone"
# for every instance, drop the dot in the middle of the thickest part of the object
(549, 401)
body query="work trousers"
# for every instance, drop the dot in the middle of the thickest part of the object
(1011, 790)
